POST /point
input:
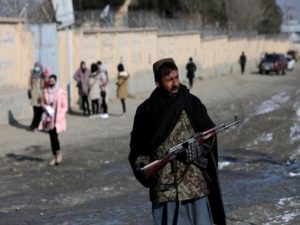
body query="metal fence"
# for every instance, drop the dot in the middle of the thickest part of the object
(146, 19)
(42, 12)
(151, 19)
(32, 11)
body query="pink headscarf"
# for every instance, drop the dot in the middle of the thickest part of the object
(47, 72)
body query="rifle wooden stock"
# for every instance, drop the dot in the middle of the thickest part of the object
(150, 169)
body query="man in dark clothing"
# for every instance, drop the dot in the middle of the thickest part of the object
(242, 61)
(191, 68)
(182, 192)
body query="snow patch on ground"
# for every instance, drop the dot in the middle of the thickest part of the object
(296, 107)
(107, 188)
(264, 137)
(295, 132)
(221, 165)
(298, 112)
(288, 216)
(285, 218)
(295, 128)
(295, 154)
(272, 104)
(291, 203)
(292, 174)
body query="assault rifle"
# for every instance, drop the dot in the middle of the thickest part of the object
(153, 167)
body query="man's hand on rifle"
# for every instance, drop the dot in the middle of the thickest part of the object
(194, 153)
(191, 153)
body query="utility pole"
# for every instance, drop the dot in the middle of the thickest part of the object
(15, 8)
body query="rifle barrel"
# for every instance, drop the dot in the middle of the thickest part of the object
(229, 125)
(213, 129)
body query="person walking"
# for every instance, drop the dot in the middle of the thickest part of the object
(191, 69)
(122, 86)
(103, 86)
(82, 78)
(94, 89)
(35, 91)
(55, 105)
(242, 61)
(182, 192)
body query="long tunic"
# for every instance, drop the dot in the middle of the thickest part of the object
(122, 82)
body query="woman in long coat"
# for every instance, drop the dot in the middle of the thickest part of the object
(122, 83)
(82, 78)
(94, 88)
(55, 105)
(35, 91)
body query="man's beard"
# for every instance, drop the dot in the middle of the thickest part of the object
(174, 91)
(170, 93)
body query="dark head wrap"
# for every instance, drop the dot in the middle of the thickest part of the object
(157, 66)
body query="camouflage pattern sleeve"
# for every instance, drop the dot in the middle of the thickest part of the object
(139, 163)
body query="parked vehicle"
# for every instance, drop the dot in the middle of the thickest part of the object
(290, 62)
(294, 54)
(273, 63)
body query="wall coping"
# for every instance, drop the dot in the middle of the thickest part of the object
(12, 20)
(209, 38)
(128, 30)
(89, 31)
(178, 33)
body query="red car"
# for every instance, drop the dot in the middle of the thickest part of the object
(273, 63)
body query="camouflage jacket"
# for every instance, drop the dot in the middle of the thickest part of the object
(188, 178)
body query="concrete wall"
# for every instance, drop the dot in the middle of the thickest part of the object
(16, 55)
(138, 49)
(16, 59)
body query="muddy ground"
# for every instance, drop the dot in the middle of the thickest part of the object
(259, 161)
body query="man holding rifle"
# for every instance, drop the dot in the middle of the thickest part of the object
(184, 191)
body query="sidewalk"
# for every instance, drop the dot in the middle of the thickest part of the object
(82, 130)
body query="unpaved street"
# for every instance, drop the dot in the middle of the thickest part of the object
(259, 161)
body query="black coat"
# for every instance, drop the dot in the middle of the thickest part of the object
(191, 68)
(155, 119)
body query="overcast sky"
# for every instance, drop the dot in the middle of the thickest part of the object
(290, 7)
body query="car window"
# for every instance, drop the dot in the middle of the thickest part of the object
(272, 58)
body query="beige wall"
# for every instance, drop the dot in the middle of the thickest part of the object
(16, 59)
(138, 49)
(16, 55)
(135, 48)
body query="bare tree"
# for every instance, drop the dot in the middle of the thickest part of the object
(245, 14)
(211, 11)
(263, 16)
(192, 6)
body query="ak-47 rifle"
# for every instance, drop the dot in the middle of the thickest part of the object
(153, 167)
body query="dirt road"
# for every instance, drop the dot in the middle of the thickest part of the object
(259, 161)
